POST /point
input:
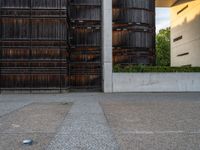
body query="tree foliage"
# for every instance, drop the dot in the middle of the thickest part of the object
(163, 47)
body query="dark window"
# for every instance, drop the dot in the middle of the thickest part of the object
(178, 38)
(189, 65)
(183, 54)
(182, 9)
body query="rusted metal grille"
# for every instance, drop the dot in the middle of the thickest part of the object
(34, 49)
(38, 52)
(56, 44)
(134, 32)
(85, 44)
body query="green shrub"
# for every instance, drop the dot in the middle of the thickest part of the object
(142, 68)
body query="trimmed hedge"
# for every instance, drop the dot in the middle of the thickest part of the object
(140, 68)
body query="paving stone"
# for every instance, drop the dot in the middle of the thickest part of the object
(85, 127)
(154, 125)
(138, 121)
(14, 141)
(36, 121)
(7, 107)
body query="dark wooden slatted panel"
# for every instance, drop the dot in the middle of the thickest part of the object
(34, 49)
(132, 39)
(144, 4)
(134, 32)
(85, 55)
(86, 37)
(132, 15)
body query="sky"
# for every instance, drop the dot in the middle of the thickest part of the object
(162, 18)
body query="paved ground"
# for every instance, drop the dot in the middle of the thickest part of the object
(155, 125)
(38, 121)
(85, 127)
(141, 121)
(7, 107)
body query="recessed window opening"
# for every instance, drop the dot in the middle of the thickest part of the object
(180, 11)
(189, 65)
(183, 54)
(178, 38)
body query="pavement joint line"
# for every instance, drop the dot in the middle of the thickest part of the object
(15, 109)
(160, 132)
(112, 130)
(27, 133)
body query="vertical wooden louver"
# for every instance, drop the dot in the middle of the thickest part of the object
(56, 44)
(85, 44)
(37, 51)
(34, 49)
(134, 32)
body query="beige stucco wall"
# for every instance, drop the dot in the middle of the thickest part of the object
(187, 25)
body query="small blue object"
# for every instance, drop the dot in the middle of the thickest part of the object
(28, 142)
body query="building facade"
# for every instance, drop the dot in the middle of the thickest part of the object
(73, 44)
(185, 31)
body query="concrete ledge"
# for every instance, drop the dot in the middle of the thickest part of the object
(156, 82)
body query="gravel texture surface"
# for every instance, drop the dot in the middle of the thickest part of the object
(135, 121)
(7, 107)
(37, 121)
(155, 125)
(85, 128)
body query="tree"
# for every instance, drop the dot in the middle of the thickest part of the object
(163, 47)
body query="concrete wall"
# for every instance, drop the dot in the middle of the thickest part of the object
(107, 45)
(187, 25)
(156, 82)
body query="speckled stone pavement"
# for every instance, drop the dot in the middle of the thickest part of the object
(98, 121)
(36, 121)
(85, 128)
(8, 107)
(154, 125)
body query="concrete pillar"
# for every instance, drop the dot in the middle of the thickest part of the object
(107, 46)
